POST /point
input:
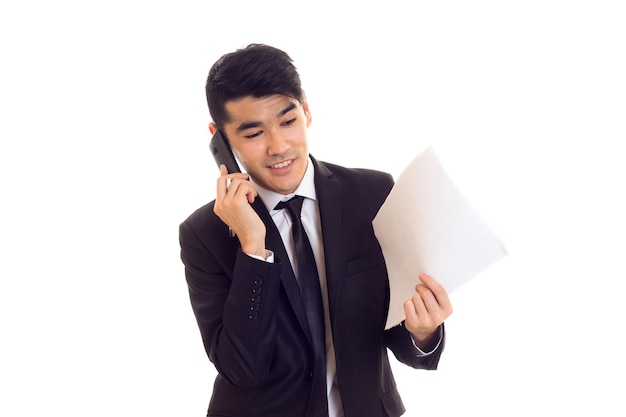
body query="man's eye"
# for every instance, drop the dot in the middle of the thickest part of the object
(252, 135)
(289, 122)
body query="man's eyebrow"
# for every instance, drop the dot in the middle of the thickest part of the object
(247, 125)
(287, 109)
(251, 125)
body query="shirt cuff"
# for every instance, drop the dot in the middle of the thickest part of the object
(420, 353)
(269, 256)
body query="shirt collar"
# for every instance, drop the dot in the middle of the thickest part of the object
(305, 189)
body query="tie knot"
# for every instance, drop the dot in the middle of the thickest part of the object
(294, 205)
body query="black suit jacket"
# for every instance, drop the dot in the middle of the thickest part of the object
(253, 322)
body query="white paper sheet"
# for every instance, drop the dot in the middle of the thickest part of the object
(427, 225)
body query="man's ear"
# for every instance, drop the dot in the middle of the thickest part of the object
(212, 128)
(307, 113)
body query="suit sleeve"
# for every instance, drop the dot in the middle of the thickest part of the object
(234, 309)
(398, 340)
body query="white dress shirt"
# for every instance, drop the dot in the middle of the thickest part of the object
(310, 216)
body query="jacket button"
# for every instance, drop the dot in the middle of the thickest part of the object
(308, 376)
(253, 316)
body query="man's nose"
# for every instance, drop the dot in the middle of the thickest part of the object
(277, 143)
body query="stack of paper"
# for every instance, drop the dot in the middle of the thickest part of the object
(427, 225)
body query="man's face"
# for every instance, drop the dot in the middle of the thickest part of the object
(268, 134)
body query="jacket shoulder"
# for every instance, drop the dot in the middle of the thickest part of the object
(202, 218)
(360, 180)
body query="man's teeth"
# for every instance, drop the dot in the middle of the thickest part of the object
(282, 164)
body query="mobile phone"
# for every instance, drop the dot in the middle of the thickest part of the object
(222, 153)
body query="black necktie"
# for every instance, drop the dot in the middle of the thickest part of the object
(312, 297)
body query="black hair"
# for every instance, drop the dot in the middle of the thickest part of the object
(256, 70)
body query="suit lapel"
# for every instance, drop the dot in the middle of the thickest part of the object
(329, 196)
(274, 242)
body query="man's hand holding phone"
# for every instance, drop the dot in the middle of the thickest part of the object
(232, 204)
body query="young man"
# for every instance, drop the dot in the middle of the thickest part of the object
(251, 292)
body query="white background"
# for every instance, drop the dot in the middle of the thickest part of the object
(104, 152)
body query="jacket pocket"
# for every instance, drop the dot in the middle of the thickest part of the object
(364, 263)
(392, 404)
